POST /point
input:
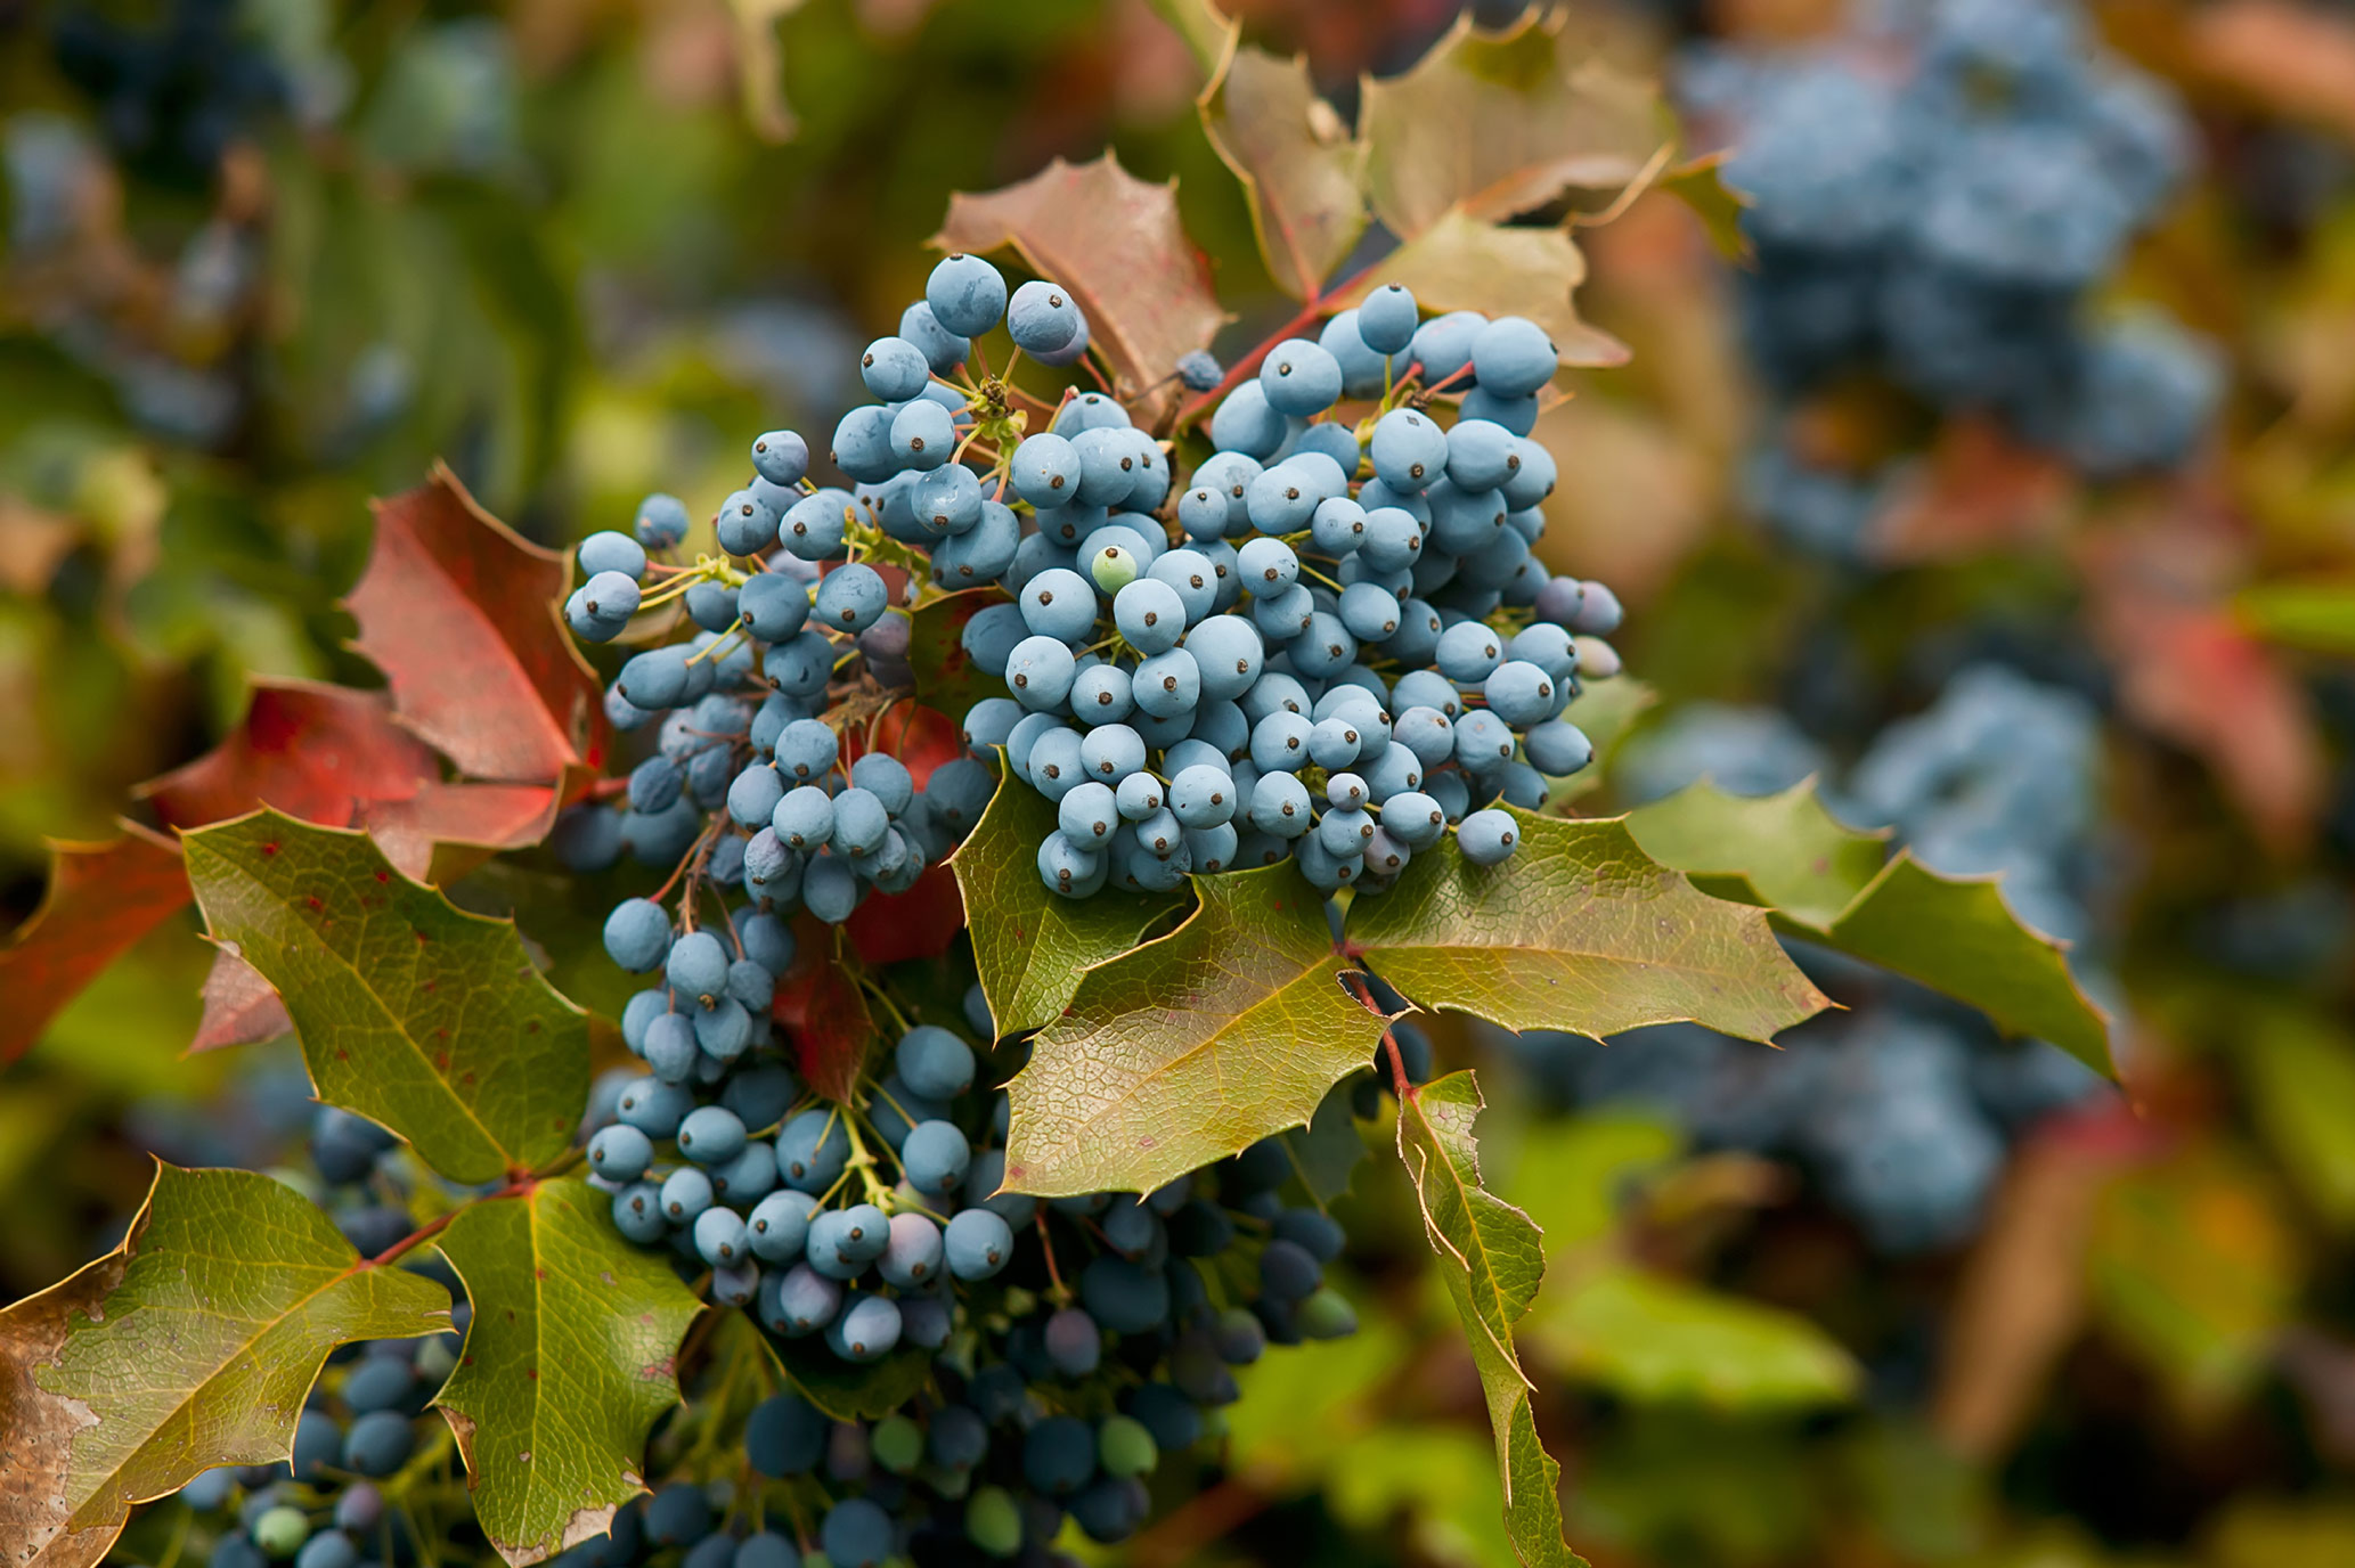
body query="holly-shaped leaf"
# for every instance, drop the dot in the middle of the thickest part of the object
(1491, 125)
(1114, 241)
(1465, 263)
(461, 613)
(1833, 884)
(1192, 1046)
(1700, 184)
(568, 1364)
(190, 1345)
(1298, 163)
(946, 676)
(101, 898)
(1327, 1152)
(411, 1011)
(319, 752)
(1579, 930)
(1033, 945)
(1493, 1259)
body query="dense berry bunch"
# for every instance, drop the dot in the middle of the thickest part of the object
(1940, 225)
(1070, 1343)
(171, 98)
(1903, 1104)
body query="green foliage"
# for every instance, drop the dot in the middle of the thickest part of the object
(1032, 947)
(568, 1364)
(411, 1011)
(946, 676)
(1831, 883)
(1493, 1261)
(190, 1345)
(2300, 1072)
(1650, 1338)
(1583, 931)
(1192, 1046)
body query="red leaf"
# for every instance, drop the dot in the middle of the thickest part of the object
(447, 829)
(923, 738)
(101, 898)
(464, 618)
(1979, 492)
(891, 928)
(1117, 245)
(820, 1004)
(240, 1007)
(2188, 673)
(318, 752)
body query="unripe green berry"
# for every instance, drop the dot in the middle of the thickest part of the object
(993, 1521)
(1125, 1448)
(1113, 567)
(898, 1444)
(281, 1531)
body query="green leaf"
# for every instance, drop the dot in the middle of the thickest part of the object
(2299, 1069)
(1834, 885)
(1494, 126)
(1298, 162)
(1493, 1260)
(1568, 1177)
(1652, 1339)
(190, 1345)
(1783, 851)
(1033, 945)
(2317, 615)
(946, 676)
(1203, 28)
(843, 1389)
(1605, 711)
(1700, 186)
(1328, 1150)
(567, 1362)
(411, 1011)
(1190, 1047)
(1579, 931)
(1465, 263)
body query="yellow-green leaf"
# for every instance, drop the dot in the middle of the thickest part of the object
(1466, 264)
(2300, 1072)
(567, 1362)
(191, 1345)
(1830, 883)
(1654, 1339)
(1494, 124)
(1031, 946)
(411, 1011)
(2317, 614)
(1700, 186)
(1298, 163)
(1190, 1047)
(1582, 931)
(1493, 1260)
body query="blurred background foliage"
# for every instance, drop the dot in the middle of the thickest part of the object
(266, 258)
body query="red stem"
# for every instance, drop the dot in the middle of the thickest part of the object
(1249, 363)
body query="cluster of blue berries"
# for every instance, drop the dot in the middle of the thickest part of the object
(1069, 1342)
(1904, 1106)
(1352, 654)
(1936, 193)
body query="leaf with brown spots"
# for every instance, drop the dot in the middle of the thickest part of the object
(411, 1011)
(1115, 243)
(463, 616)
(190, 1345)
(568, 1364)
(101, 898)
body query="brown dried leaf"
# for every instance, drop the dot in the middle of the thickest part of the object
(1462, 263)
(1496, 124)
(1114, 241)
(1299, 166)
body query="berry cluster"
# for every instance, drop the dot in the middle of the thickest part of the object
(1229, 702)
(1935, 194)
(1071, 1341)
